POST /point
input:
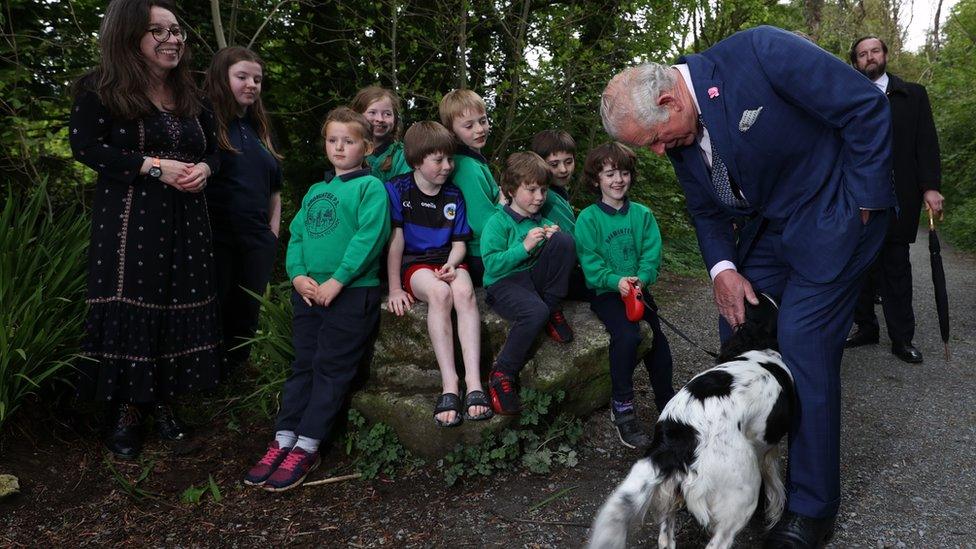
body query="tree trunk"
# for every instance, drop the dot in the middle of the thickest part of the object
(232, 27)
(514, 61)
(812, 16)
(462, 58)
(395, 8)
(217, 24)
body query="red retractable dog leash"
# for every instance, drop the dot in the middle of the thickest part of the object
(634, 303)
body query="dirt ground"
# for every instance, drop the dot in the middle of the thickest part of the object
(908, 466)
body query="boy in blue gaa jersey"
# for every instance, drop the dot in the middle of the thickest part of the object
(427, 247)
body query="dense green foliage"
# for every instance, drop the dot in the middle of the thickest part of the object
(953, 76)
(42, 289)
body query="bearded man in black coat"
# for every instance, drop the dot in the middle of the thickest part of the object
(917, 175)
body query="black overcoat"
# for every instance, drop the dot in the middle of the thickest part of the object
(915, 145)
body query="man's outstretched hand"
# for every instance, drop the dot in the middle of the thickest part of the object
(730, 288)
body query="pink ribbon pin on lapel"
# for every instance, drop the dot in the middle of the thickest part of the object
(712, 92)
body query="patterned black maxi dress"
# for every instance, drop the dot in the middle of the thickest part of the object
(151, 328)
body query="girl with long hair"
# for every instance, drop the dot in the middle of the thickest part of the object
(244, 196)
(137, 120)
(383, 110)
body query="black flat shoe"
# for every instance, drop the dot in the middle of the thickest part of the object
(861, 336)
(124, 435)
(906, 352)
(796, 531)
(167, 426)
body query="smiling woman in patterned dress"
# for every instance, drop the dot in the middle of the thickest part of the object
(137, 120)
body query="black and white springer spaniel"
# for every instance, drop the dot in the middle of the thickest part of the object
(714, 444)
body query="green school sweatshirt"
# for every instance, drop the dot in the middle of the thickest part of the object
(502, 246)
(480, 192)
(340, 230)
(612, 244)
(398, 166)
(560, 211)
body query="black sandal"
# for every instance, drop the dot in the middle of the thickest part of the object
(477, 398)
(448, 402)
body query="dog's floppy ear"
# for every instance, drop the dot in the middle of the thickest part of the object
(757, 333)
(764, 314)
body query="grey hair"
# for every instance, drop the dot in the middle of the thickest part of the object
(632, 95)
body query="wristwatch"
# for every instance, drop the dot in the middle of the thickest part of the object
(155, 171)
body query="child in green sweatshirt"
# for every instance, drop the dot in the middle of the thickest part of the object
(332, 260)
(382, 109)
(619, 247)
(528, 261)
(463, 112)
(558, 149)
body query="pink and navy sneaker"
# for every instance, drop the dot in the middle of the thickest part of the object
(267, 465)
(293, 470)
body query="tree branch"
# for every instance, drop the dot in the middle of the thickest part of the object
(263, 23)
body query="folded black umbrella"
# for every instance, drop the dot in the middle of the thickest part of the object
(939, 284)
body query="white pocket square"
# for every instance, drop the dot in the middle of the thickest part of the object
(749, 118)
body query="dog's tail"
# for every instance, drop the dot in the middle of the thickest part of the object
(775, 492)
(627, 505)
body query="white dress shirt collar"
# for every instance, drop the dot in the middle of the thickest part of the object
(882, 82)
(703, 140)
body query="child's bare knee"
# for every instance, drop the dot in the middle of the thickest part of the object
(440, 295)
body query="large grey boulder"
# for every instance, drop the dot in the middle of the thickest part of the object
(404, 379)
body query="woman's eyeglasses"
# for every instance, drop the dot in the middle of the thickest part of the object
(161, 35)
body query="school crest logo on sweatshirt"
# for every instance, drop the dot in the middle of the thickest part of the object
(623, 254)
(322, 215)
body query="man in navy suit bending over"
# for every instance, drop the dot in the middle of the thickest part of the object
(783, 153)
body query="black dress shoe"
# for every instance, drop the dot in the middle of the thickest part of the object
(861, 336)
(796, 531)
(167, 426)
(906, 352)
(124, 435)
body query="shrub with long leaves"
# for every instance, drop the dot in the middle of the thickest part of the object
(272, 350)
(42, 294)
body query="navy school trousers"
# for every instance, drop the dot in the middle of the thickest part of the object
(528, 298)
(625, 337)
(242, 261)
(331, 343)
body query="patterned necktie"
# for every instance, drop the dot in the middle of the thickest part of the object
(720, 178)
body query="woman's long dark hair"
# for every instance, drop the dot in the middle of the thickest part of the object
(122, 76)
(217, 88)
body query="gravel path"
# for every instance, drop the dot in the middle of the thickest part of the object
(908, 460)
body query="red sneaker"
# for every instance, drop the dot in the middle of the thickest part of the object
(267, 465)
(293, 470)
(503, 390)
(559, 329)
